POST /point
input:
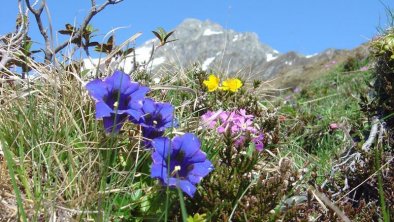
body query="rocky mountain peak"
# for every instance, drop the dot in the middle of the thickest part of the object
(218, 49)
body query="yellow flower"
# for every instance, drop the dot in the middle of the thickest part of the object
(212, 83)
(232, 84)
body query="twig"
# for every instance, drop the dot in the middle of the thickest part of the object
(383, 166)
(329, 204)
(74, 211)
(49, 53)
(372, 134)
(37, 15)
(93, 11)
(13, 41)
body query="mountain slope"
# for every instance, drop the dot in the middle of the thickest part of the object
(223, 50)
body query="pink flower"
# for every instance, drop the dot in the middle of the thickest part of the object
(364, 68)
(227, 121)
(244, 124)
(209, 119)
(334, 126)
(242, 113)
(238, 124)
(259, 142)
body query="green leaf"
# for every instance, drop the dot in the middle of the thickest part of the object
(93, 44)
(197, 218)
(128, 51)
(157, 35)
(84, 72)
(250, 150)
(168, 35)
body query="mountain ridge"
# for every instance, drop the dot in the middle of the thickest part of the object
(217, 49)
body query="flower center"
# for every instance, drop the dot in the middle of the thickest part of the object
(154, 119)
(177, 168)
(117, 100)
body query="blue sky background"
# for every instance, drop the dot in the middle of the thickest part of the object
(305, 26)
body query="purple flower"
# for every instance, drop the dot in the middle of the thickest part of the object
(117, 98)
(364, 68)
(227, 121)
(148, 135)
(156, 118)
(180, 162)
(242, 113)
(243, 124)
(259, 142)
(209, 119)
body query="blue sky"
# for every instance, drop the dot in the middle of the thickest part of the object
(305, 26)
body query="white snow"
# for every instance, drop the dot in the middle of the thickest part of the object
(270, 57)
(92, 64)
(276, 51)
(158, 61)
(236, 37)
(310, 56)
(156, 80)
(142, 54)
(208, 32)
(207, 62)
(289, 63)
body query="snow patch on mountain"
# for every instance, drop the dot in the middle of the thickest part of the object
(271, 57)
(236, 37)
(208, 32)
(142, 54)
(207, 62)
(310, 56)
(158, 61)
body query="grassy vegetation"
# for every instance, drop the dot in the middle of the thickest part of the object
(308, 112)
(234, 155)
(60, 163)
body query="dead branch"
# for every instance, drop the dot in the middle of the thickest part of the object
(49, 53)
(372, 135)
(13, 41)
(93, 11)
(327, 202)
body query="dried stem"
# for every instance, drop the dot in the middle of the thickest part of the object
(13, 41)
(49, 53)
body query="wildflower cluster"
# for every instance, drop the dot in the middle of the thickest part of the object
(213, 83)
(237, 125)
(178, 162)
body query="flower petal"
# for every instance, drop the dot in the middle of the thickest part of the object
(166, 110)
(187, 187)
(198, 156)
(97, 89)
(148, 106)
(114, 122)
(184, 185)
(162, 146)
(139, 93)
(188, 143)
(102, 110)
(134, 114)
(159, 171)
(202, 169)
(119, 81)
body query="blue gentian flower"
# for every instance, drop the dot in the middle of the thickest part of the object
(180, 162)
(117, 99)
(156, 118)
(148, 135)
